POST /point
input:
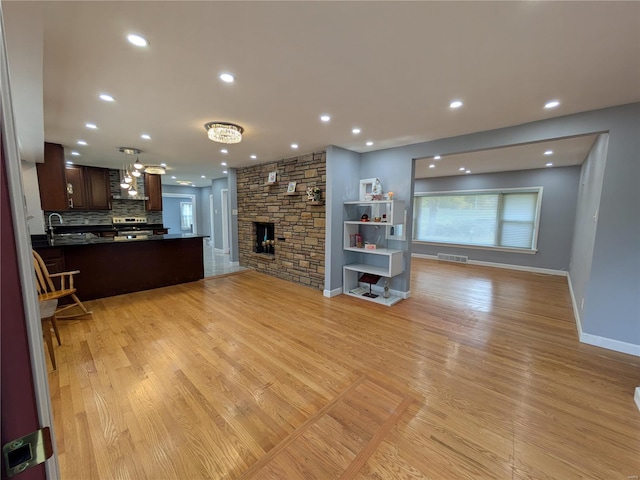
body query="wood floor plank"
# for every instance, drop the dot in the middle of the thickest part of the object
(214, 378)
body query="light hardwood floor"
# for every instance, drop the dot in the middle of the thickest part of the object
(479, 375)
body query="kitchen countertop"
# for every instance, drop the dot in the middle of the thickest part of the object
(66, 241)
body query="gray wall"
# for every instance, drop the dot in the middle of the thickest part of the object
(171, 214)
(205, 211)
(217, 186)
(396, 175)
(557, 214)
(343, 184)
(177, 189)
(612, 297)
(591, 178)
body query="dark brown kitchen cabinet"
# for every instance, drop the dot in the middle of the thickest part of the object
(76, 191)
(52, 179)
(53, 259)
(98, 188)
(153, 192)
(74, 187)
(88, 188)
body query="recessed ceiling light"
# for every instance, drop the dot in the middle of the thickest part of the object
(432, 166)
(145, 136)
(224, 150)
(356, 131)
(325, 118)
(224, 171)
(294, 145)
(75, 154)
(552, 104)
(224, 164)
(549, 152)
(106, 97)
(173, 177)
(202, 176)
(81, 142)
(455, 104)
(437, 157)
(253, 157)
(92, 126)
(227, 77)
(137, 40)
(550, 164)
(369, 143)
(462, 169)
(163, 165)
(467, 171)
(69, 162)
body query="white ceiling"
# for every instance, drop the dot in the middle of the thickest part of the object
(390, 68)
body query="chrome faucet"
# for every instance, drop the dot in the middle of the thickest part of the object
(51, 226)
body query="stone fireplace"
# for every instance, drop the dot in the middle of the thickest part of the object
(295, 224)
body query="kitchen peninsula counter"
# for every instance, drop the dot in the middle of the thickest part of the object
(111, 267)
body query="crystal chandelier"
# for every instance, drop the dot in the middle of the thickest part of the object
(224, 132)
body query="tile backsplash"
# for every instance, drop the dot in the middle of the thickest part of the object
(120, 208)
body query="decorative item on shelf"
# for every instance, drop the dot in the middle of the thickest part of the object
(390, 195)
(384, 217)
(273, 177)
(377, 219)
(369, 246)
(364, 217)
(367, 186)
(376, 190)
(224, 132)
(314, 194)
(386, 293)
(292, 187)
(370, 278)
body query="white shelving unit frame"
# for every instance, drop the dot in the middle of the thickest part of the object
(394, 265)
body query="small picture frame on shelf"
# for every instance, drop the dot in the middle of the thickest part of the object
(292, 187)
(272, 177)
(367, 187)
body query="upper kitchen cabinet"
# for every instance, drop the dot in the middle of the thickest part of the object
(75, 187)
(88, 188)
(52, 179)
(153, 192)
(98, 188)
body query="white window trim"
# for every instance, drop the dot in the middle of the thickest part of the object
(536, 226)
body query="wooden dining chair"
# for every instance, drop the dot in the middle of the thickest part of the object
(61, 288)
(48, 315)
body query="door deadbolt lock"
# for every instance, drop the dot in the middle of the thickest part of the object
(28, 451)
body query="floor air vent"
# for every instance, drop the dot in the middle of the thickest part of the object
(452, 258)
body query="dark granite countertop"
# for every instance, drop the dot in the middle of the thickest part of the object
(82, 240)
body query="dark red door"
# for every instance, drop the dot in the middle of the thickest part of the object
(18, 402)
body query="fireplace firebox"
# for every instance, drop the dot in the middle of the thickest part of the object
(265, 239)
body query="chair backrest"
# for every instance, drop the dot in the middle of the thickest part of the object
(44, 284)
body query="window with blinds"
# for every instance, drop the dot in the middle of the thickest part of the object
(490, 218)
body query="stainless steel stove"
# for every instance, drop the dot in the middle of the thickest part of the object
(131, 228)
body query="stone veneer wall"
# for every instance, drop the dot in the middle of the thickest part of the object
(299, 257)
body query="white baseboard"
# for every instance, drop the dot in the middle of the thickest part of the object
(576, 312)
(332, 293)
(597, 340)
(507, 266)
(234, 264)
(610, 344)
(637, 397)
